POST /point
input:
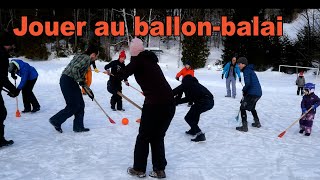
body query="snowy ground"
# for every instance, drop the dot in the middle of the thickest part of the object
(104, 153)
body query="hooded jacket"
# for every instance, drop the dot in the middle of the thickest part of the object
(150, 77)
(4, 64)
(194, 91)
(252, 84)
(25, 71)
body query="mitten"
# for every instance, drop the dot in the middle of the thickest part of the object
(107, 72)
(81, 83)
(13, 76)
(89, 92)
(244, 93)
(315, 106)
(304, 110)
(14, 94)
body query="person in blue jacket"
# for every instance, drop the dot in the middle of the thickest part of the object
(29, 76)
(252, 92)
(230, 71)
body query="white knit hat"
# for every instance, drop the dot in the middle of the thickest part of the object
(136, 46)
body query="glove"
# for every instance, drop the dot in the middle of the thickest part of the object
(13, 76)
(304, 110)
(11, 94)
(221, 76)
(89, 92)
(127, 83)
(314, 107)
(14, 94)
(177, 78)
(239, 79)
(244, 93)
(81, 83)
(96, 70)
(107, 72)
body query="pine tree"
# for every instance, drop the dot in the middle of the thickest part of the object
(195, 50)
(254, 48)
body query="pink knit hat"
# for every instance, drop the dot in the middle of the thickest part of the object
(136, 46)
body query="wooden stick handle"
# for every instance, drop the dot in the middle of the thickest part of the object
(125, 97)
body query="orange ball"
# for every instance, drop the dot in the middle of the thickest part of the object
(125, 121)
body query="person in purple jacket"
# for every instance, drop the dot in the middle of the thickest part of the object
(29, 76)
(309, 100)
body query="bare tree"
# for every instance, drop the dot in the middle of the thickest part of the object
(76, 18)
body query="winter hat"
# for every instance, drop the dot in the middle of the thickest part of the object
(136, 46)
(92, 48)
(243, 60)
(187, 63)
(122, 54)
(301, 73)
(6, 39)
(309, 87)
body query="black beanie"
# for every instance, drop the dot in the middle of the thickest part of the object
(92, 48)
(243, 60)
(6, 39)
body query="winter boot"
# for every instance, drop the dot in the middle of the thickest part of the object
(35, 109)
(82, 130)
(256, 123)
(56, 127)
(26, 111)
(301, 131)
(133, 172)
(191, 132)
(4, 142)
(244, 126)
(158, 174)
(200, 137)
(307, 134)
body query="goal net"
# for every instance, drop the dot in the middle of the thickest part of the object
(296, 69)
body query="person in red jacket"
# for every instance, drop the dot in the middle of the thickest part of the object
(187, 70)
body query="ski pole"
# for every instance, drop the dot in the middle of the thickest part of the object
(282, 134)
(17, 112)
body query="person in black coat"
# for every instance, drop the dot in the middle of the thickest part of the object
(6, 45)
(203, 101)
(114, 83)
(157, 112)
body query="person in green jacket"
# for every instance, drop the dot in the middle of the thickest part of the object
(73, 76)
